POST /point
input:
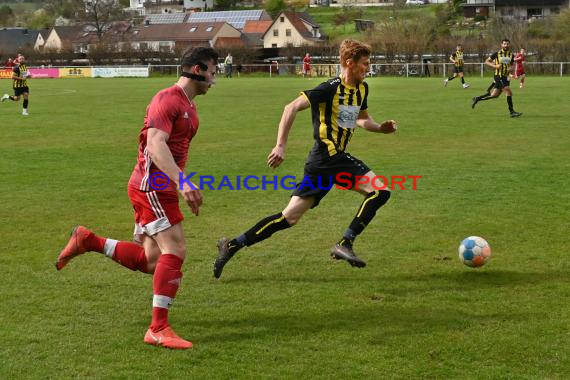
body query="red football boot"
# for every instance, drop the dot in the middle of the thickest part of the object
(166, 338)
(75, 246)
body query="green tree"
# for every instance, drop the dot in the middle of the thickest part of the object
(41, 19)
(341, 18)
(223, 5)
(6, 16)
(274, 7)
(562, 25)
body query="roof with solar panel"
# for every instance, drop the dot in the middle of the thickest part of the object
(237, 19)
(166, 18)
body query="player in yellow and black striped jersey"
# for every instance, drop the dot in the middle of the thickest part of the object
(457, 59)
(338, 106)
(501, 61)
(20, 76)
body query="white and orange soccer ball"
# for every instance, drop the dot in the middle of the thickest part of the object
(474, 251)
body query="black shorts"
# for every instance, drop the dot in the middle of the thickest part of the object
(501, 82)
(320, 176)
(21, 90)
(458, 69)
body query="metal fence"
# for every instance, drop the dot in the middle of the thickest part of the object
(377, 69)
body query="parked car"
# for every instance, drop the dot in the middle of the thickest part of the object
(415, 2)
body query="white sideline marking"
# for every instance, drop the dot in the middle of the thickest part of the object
(62, 92)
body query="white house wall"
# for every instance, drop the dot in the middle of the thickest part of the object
(198, 4)
(154, 45)
(282, 40)
(136, 4)
(53, 42)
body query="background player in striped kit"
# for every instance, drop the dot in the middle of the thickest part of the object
(501, 61)
(20, 76)
(458, 62)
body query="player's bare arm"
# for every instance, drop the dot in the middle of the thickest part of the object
(277, 155)
(162, 158)
(489, 62)
(367, 122)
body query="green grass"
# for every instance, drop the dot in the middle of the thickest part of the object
(283, 309)
(324, 16)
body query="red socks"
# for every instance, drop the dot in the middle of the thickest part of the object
(94, 243)
(166, 281)
(130, 255)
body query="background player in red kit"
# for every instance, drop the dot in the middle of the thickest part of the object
(170, 123)
(307, 65)
(519, 66)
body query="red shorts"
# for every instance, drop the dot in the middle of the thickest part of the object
(155, 211)
(519, 73)
(306, 68)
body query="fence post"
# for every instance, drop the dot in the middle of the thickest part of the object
(270, 69)
(482, 71)
(443, 71)
(407, 69)
(561, 69)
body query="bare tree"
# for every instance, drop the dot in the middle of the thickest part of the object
(99, 14)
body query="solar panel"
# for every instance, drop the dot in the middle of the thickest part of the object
(237, 19)
(166, 18)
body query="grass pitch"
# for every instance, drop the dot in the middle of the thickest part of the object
(282, 308)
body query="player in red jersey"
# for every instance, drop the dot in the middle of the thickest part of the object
(170, 123)
(307, 65)
(519, 66)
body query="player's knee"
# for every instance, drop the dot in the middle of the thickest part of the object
(150, 267)
(379, 197)
(292, 219)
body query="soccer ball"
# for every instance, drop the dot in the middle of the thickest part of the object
(474, 251)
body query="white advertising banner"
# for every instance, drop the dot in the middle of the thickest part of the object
(113, 72)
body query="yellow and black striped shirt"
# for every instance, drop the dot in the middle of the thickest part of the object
(18, 71)
(505, 58)
(335, 106)
(458, 58)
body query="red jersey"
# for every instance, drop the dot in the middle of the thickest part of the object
(307, 62)
(519, 60)
(172, 112)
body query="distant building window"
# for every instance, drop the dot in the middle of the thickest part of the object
(275, 33)
(534, 12)
(288, 32)
(209, 29)
(273, 45)
(192, 29)
(282, 19)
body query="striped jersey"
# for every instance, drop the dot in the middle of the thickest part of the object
(505, 58)
(172, 112)
(19, 71)
(335, 106)
(458, 58)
